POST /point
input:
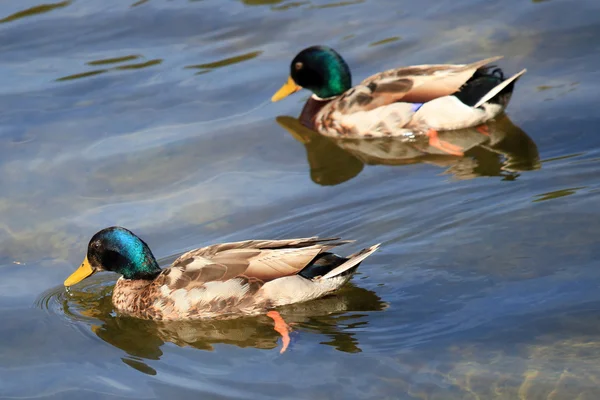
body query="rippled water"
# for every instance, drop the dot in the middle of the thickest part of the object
(155, 115)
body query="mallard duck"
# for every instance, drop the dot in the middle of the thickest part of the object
(404, 101)
(222, 280)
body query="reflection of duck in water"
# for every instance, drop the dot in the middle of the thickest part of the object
(143, 338)
(498, 148)
(423, 99)
(218, 281)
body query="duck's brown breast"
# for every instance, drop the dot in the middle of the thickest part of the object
(310, 111)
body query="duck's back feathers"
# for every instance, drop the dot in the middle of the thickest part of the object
(262, 259)
(416, 84)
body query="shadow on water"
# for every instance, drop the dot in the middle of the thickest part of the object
(90, 305)
(505, 150)
(225, 62)
(139, 3)
(281, 5)
(203, 68)
(261, 2)
(33, 11)
(109, 61)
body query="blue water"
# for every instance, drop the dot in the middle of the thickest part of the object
(156, 116)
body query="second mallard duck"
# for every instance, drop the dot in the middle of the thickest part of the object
(419, 99)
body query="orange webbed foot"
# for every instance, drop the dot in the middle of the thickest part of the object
(282, 328)
(483, 129)
(434, 141)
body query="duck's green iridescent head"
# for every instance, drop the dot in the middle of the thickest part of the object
(319, 69)
(118, 250)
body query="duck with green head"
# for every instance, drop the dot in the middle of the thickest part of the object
(222, 280)
(422, 99)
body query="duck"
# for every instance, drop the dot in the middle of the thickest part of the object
(402, 102)
(220, 280)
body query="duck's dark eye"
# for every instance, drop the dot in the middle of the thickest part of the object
(298, 66)
(96, 245)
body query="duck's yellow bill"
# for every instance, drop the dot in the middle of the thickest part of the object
(84, 270)
(287, 89)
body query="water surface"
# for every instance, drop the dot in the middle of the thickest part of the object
(155, 115)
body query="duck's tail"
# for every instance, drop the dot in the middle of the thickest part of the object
(352, 261)
(504, 87)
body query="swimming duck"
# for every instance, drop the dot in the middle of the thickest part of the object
(422, 99)
(222, 280)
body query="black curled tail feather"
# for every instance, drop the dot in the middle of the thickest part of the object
(321, 265)
(352, 262)
(481, 83)
(487, 71)
(329, 265)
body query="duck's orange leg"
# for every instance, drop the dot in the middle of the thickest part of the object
(483, 129)
(434, 141)
(282, 328)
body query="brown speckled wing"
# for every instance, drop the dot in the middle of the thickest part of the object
(267, 265)
(193, 273)
(261, 259)
(416, 84)
(257, 244)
